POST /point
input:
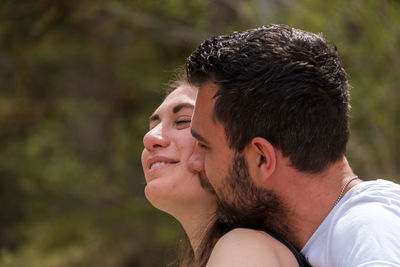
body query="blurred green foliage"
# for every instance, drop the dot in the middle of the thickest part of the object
(78, 80)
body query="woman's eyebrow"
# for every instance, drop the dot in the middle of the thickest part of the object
(178, 107)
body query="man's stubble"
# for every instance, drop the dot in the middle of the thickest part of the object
(242, 204)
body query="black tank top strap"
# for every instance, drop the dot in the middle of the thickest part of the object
(299, 257)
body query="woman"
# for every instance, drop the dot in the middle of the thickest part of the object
(176, 189)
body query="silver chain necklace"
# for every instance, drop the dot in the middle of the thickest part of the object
(344, 188)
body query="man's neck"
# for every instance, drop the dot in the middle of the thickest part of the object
(311, 197)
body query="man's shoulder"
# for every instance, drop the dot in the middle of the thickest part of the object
(378, 195)
(370, 205)
(368, 224)
(374, 217)
(363, 228)
(375, 186)
(366, 234)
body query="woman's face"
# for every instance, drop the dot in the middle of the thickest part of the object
(171, 185)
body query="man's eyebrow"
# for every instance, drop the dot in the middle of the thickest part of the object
(198, 136)
(178, 107)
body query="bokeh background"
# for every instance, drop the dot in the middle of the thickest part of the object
(78, 80)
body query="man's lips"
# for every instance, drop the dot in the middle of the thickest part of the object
(159, 161)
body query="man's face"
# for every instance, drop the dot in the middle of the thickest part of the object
(240, 202)
(213, 152)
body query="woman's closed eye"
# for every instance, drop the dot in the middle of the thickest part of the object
(179, 122)
(183, 123)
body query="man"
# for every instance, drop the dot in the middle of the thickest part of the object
(271, 120)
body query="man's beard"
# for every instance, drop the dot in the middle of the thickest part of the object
(242, 204)
(204, 183)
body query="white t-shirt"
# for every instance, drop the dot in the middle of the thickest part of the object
(363, 229)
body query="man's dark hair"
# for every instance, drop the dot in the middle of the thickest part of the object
(280, 83)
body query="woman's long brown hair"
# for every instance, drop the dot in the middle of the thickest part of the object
(186, 254)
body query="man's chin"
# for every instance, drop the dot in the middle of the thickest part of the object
(240, 216)
(205, 183)
(265, 212)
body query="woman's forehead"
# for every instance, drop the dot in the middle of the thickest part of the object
(183, 90)
(183, 94)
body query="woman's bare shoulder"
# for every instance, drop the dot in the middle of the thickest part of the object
(247, 247)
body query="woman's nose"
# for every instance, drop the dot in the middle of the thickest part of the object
(155, 138)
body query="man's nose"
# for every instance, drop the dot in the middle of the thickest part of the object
(196, 160)
(155, 138)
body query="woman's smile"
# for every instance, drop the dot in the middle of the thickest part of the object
(159, 162)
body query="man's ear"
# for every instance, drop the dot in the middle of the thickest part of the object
(261, 158)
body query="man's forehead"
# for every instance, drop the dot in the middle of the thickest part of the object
(205, 98)
(209, 89)
(204, 106)
(204, 124)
